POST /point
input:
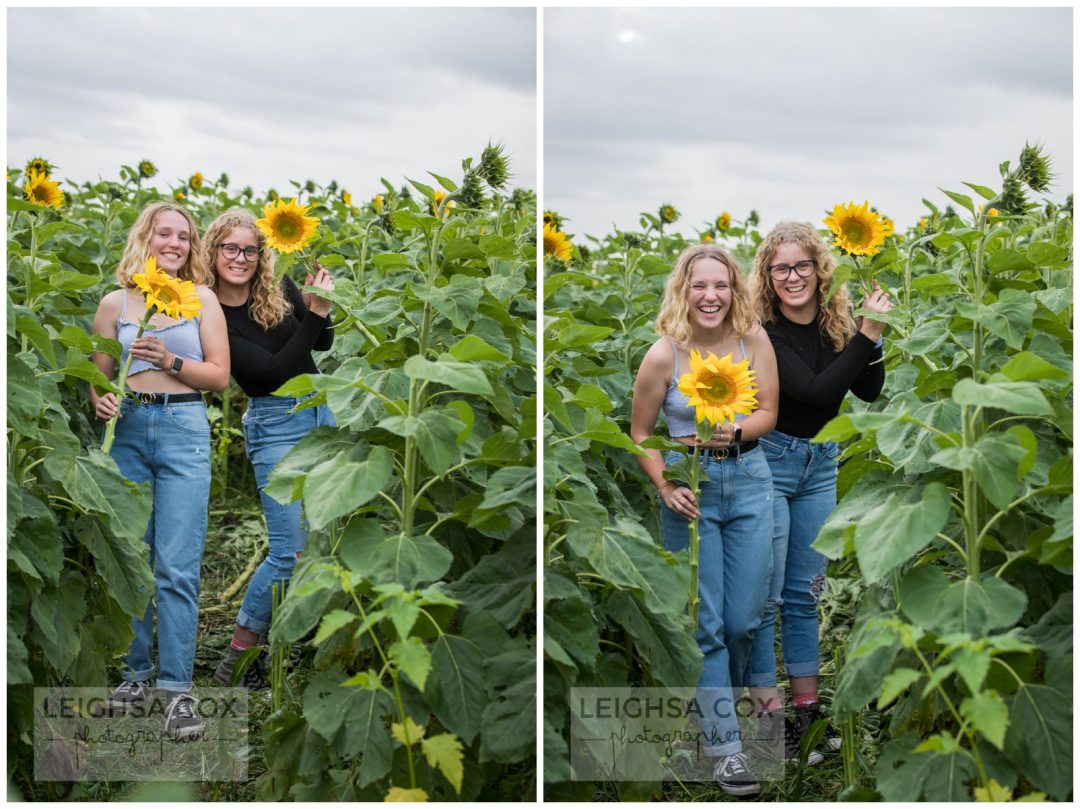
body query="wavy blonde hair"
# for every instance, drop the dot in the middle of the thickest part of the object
(137, 249)
(674, 318)
(834, 318)
(268, 305)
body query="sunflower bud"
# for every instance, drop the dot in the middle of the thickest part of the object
(147, 169)
(115, 191)
(471, 192)
(494, 167)
(668, 214)
(632, 239)
(1035, 169)
(179, 195)
(1012, 200)
(753, 219)
(405, 194)
(247, 192)
(196, 180)
(520, 199)
(553, 219)
(723, 222)
(586, 254)
(40, 166)
(223, 180)
(309, 186)
(1068, 204)
(272, 195)
(332, 188)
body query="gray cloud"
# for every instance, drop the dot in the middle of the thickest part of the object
(272, 94)
(790, 110)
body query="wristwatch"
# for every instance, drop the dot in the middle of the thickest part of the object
(177, 364)
(736, 437)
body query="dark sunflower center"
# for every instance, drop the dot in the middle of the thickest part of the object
(720, 389)
(288, 227)
(855, 231)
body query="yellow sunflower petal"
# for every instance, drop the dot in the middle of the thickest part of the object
(718, 388)
(170, 296)
(556, 244)
(286, 225)
(40, 190)
(858, 230)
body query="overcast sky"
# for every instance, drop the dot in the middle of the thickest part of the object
(789, 111)
(272, 95)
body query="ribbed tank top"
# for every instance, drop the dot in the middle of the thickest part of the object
(182, 339)
(680, 416)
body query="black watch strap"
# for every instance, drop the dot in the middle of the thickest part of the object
(177, 364)
(737, 436)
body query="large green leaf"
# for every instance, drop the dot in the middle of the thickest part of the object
(315, 581)
(502, 583)
(969, 606)
(123, 562)
(512, 485)
(435, 430)
(455, 687)
(457, 375)
(24, 400)
(333, 489)
(1040, 738)
(351, 718)
(987, 713)
(95, 484)
(898, 528)
(386, 558)
(668, 645)
(508, 732)
(1022, 398)
(56, 613)
(570, 627)
(995, 462)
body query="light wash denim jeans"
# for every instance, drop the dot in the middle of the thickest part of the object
(734, 562)
(804, 487)
(270, 431)
(168, 445)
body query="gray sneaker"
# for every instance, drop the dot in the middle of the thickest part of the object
(248, 660)
(732, 774)
(778, 738)
(181, 720)
(129, 694)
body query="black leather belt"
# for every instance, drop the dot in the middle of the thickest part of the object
(720, 453)
(165, 398)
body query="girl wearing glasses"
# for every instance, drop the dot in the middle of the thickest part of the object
(821, 354)
(706, 308)
(273, 329)
(163, 438)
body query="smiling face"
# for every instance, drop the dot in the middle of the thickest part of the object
(236, 273)
(709, 295)
(797, 296)
(170, 241)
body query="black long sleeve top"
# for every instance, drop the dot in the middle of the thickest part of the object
(262, 361)
(814, 377)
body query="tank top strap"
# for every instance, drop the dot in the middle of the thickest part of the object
(742, 348)
(675, 373)
(123, 305)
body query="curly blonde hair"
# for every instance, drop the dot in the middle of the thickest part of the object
(137, 249)
(834, 317)
(268, 304)
(674, 318)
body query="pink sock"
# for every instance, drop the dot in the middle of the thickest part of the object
(241, 645)
(802, 700)
(772, 706)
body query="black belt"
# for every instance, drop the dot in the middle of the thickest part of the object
(720, 453)
(165, 398)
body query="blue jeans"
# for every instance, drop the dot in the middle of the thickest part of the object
(168, 445)
(734, 561)
(804, 486)
(270, 431)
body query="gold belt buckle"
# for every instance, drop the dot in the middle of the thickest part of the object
(721, 452)
(145, 398)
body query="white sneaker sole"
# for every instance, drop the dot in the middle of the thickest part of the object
(740, 790)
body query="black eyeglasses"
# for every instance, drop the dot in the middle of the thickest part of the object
(803, 269)
(230, 251)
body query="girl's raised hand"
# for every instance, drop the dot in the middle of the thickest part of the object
(323, 280)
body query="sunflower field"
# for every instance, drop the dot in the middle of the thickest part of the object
(403, 653)
(947, 622)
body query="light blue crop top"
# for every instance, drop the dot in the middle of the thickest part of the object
(680, 416)
(182, 339)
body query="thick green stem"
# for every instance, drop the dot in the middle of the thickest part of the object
(110, 428)
(971, 518)
(28, 301)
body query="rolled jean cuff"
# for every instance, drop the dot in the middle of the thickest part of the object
(725, 749)
(137, 676)
(253, 624)
(175, 686)
(808, 669)
(766, 679)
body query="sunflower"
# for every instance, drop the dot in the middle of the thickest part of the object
(858, 230)
(196, 181)
(179, 195)
(147, 169)
(39, 165)
(286, 226)
(42, 191)
(168, 295)
(553, 219)
(556, 244)
(723, 222)
(992, 212)
(346, 197)
(668, 214)
(718, 388)
(707, 239)
(439, 197)
(377, 202)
